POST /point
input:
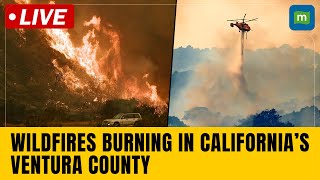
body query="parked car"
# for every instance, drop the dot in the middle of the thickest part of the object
(122, 119)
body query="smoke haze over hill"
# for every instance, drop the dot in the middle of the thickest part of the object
(280, 78)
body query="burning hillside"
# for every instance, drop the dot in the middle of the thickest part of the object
(104, 70)
(82, 70)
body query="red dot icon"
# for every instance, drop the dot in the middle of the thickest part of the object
(12, 16)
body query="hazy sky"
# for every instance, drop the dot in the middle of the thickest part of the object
(202, 23)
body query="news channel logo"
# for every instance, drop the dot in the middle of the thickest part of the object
(301, 17)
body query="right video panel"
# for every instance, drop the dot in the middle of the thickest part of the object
(245, 63)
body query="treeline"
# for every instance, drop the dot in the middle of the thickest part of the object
(55, 114)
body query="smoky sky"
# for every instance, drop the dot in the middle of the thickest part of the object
(146, 32)
(203, 23)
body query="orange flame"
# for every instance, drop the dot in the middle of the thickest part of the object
(69, 77)
(22, 1)
(103, 77)
(105, 71)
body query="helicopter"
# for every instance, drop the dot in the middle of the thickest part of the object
(243, 26)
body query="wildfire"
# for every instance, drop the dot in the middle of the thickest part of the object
(68, 77)
(22, 1)
(103, 78)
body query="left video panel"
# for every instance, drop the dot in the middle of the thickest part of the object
(112, 69)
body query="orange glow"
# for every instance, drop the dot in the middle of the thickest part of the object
(22, 1)
(103, 77)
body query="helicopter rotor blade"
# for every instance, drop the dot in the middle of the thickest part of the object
(251, 20)
(235, 19)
